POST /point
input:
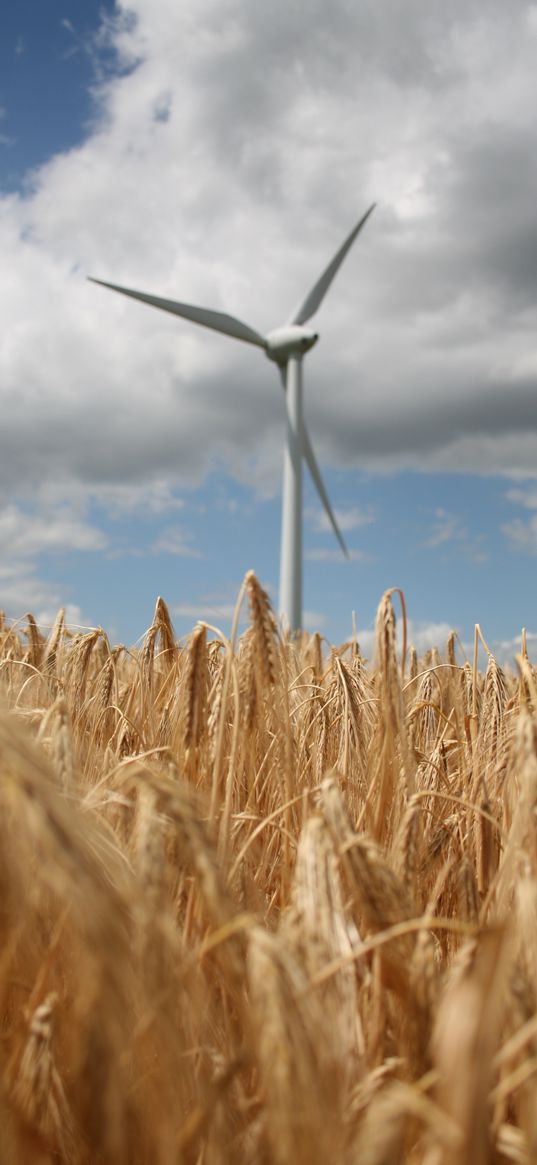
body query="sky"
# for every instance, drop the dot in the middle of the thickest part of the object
(218, 152)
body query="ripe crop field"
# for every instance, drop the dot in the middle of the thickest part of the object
(263, 901)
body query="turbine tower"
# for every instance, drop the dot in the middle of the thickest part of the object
(286, 347)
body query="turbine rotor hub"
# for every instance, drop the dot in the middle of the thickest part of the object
(291, 340)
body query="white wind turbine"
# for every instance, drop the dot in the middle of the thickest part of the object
(286, 346)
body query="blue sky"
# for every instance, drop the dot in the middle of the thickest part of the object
(48, 59)
(218, 153)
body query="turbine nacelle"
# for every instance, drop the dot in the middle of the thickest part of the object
(291, 340)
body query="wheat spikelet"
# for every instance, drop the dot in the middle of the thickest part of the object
(425, 981)
(63, 752)
(408, 848)
(148, 844)
(264, 628)
(147, 661)
(36, 643)
(177, 806)
(466, 1036)
(423, 716)
(390, 742)
(299, 1125)
(78, 668)
(216, 697)
(162, 621)
(491, 734)
(450, 649)
(381, 1137)
(54, 641)
(489, 761)
(107, 695)
(107, 678)
(318, 931)
(376, 889)
(196, 686)
(248, 687)
(525, 903)
(388, 668)
(469, 900)
(353, 703)
(36, 1086)
(524, 812)
(432, 774)
(314, 657)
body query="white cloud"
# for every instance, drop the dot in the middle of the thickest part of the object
(122, 498)
(28, 534)
(204, 610)
(506, 650)
(449, 529)
(174, 540)
(73, 617)
(523, 497)
(445, 528)
(422, 634)
(22, 591)
(522, 532)
(219, 611)
(425, 634)
(350, 518)
(522, 535)
(314, 620)
(219, 615)
(208, 174)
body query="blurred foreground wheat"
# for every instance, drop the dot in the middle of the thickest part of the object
(264, 902)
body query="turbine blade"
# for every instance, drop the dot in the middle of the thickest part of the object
(311, 460)
(218, 321)
(315, 297)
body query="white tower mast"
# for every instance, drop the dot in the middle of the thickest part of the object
(291, 544)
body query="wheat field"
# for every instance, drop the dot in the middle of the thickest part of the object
(264, 901)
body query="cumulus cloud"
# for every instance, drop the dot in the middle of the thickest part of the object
(231, 148)
(449, 530)
(521, 534)
(523, 497)
(445, 527)
(422, 634)
(218, 610)
(27, 534)
(22, 590)
(350, 518)
(174, 540)
(224, 168)
(426, 634)
(206, 611)
(506, 650)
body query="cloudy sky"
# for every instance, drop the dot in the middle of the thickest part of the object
(218, 152)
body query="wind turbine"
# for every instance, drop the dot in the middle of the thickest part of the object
(286, 346)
